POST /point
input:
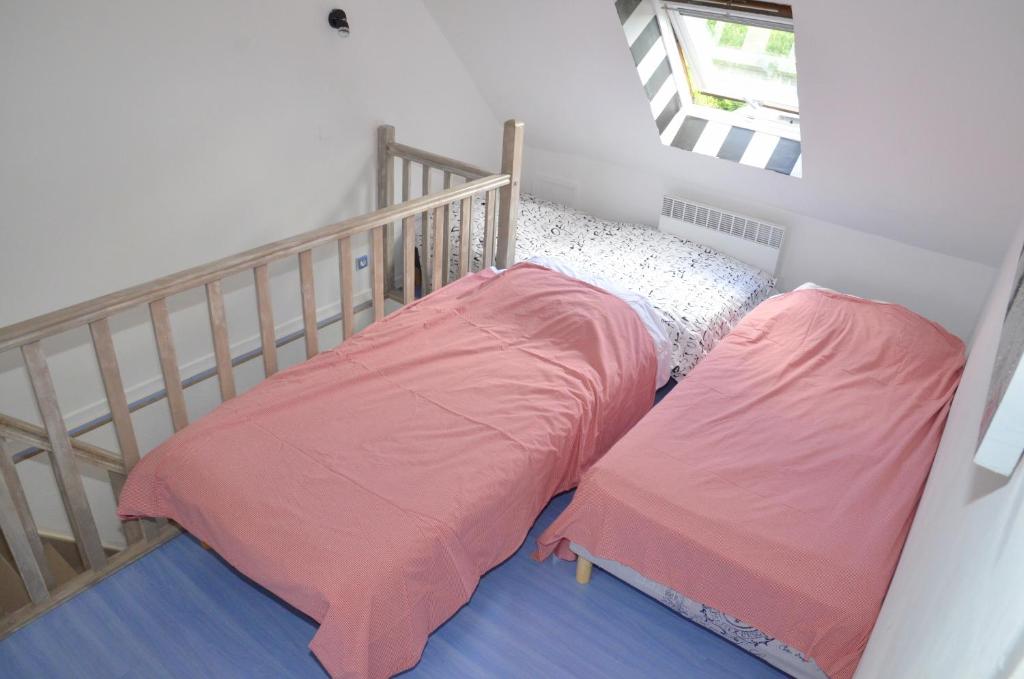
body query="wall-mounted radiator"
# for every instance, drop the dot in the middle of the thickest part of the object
(749, 240)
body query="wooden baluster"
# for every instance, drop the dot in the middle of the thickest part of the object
(386, 195)
(169, 363)
(348, 321)
(465, 234)
(268, 339)
(447, 227)
(511, 164)
(436, 279)
(65, 471)
(117, 401)
(308, 303)
(378, 273)
(221, 344)
(490, 207)
(426, 251)
(19, 530)
(409, 259)
(406, 190)
(406, 178)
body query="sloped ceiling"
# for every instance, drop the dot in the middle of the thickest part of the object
(912, 113)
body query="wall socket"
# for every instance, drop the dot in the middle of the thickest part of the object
(363, 262)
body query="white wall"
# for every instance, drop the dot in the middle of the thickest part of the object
(898, 140)
(954, 607)
(947, 289)
(143, 138)
(909, 111)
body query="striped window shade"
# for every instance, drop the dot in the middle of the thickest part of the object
(740, 136)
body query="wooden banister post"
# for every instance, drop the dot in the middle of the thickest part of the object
(386, 195)
(168, 356)
(409, 260)
(446, 245)
(466, 235)
(490, 209)
(378, 277)
(426, 233)
(117, 401)
(65, 471)
(221, 343)
(437, 261)
(265, 310)
(308, 303)
(345, 278)
(19, 529)
(508, 214)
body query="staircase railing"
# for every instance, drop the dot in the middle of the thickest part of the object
(21, 440)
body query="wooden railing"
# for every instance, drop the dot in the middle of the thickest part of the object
(498, 224)
(501, 192)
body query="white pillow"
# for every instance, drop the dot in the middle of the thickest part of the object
(814, 286)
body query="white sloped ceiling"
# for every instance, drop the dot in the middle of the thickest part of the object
(911, 113)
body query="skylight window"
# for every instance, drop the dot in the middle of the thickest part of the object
(720, 78)
(730, 61)
(738, 57)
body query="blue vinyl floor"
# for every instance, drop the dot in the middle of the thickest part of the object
(181, 611)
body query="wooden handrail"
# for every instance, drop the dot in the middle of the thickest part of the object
(26, 432)
(456, 167)
(37, 328)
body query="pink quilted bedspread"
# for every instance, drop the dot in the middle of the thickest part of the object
(777, 483)
(373, 485)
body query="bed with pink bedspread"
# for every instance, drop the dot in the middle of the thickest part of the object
(373, 485)
(777, 483)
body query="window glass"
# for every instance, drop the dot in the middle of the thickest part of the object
(731, 64)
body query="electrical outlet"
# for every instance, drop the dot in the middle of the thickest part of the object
(363, 262)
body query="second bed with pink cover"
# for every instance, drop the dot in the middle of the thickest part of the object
(777, 483)
(373, 485)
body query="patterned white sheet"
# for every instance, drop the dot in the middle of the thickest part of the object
(699, 293)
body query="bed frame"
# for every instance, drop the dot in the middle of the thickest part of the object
(66, 452)
(768, 649)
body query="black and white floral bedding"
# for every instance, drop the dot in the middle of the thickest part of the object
(699, 293)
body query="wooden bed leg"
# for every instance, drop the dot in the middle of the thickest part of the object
(583, 570)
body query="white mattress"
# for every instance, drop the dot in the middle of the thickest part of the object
(750, 639)
(698, 293)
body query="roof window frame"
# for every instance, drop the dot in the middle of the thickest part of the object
(749, 12)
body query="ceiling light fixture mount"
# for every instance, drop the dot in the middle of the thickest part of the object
(338, 21)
